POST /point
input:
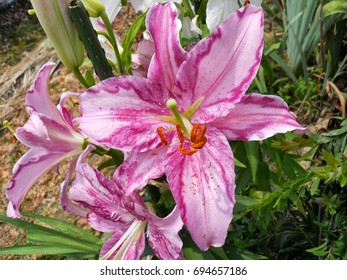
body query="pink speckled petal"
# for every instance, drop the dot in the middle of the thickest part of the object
(27, 171)
(163, 236)
(203, 186)
(257, 117)
(134, 173)
(37, 99)
(164, 26)
(122, 113)
(220, 68)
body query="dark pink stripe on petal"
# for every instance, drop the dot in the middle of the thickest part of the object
(164, 26)
(221, 67)
(257, 117)
(203, 187)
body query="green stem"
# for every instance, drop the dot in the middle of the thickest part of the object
(89, 38)
(112, 40)
(79, 76)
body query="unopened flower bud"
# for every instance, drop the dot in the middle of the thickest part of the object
(93, 7)
(55, 21)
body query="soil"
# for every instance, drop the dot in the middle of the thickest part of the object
(15, 80)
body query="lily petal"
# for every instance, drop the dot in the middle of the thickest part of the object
(42, 132)
(123, 251)
(65, 200)
(139, 168)
(164, 26)
(203, 187)
(37, 99)
(220, 68)
(27, 171)
(163, 236)
(257, 117)
(122, 113)
(100, 195)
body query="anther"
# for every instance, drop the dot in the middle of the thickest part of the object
(247, 2)
(162, 135)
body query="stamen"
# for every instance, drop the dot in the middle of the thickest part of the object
(180, 134)
(187, 152)
(247, 2)
(162, 135)
(9, 127)
(194, 132)
(172, 105)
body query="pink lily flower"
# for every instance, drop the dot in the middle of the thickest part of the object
(111, 210)
(51, 137)
(179, 120)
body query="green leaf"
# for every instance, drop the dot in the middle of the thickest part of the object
(314, 186)
(252, 151)
(41, 249)
(336, 132)
(66, 228)
(243, 202)
(239, 163)
(263, 177)
(129, 39)
(235, 253)
(334, 7)
(40, 234)
(219, 253)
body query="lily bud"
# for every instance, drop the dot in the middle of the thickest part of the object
(55, 21)
(93, 7)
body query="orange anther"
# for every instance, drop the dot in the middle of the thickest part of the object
(162, 135)
(180, 134)
(187, 152)
(194, 132)
(247, 2)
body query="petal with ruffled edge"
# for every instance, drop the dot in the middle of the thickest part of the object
(27, 171)
(122, 112)
(163, 236)
(95, 192)
(257, 117)
(135, 172)
(164, 26)
(203, 187)
(37, 99)
(220, 68)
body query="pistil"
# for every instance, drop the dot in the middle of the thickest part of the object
(172, 105)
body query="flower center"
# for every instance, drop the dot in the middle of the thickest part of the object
(195, 133)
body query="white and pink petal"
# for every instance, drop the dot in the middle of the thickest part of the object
(135, 172)
(164, 26)
(122, 113)
(221, 67)
(162, 234)
(203, 186)
(258, 117)
(27, 171)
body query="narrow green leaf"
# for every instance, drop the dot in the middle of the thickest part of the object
(41, 249)
(334, 7)
(129, 39)
(66, 228)
(263, 177)
(285, 67)
(314, 186)
(244, 202)
(252, 151)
